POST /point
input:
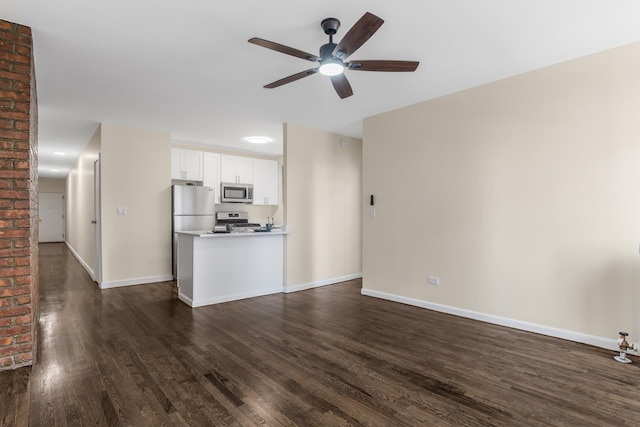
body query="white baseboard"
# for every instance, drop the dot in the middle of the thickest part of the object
(228, 298)
(318, 283)
(80, 260)
(119, 283)
(608, 343)
(182, 297)
(136, 281)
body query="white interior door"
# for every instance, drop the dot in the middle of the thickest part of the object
(51, 217)
(97, 224)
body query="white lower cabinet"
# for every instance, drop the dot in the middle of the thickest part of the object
(216, 268)
(265, 182)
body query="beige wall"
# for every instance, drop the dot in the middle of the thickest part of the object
(525, 195)
(79, 203)
(136, 175)
(51, 185)
(323, 187)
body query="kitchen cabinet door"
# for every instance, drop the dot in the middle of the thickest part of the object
(211, 173)
(176, 163)
(265, 182)
(245, 170)
(228, 168)
(192, 163)
(186, 164)
(236, 169)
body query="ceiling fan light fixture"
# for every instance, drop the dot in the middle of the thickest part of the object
(332, 59)
(331, 67)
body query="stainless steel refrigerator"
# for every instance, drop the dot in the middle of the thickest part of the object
(193, 209)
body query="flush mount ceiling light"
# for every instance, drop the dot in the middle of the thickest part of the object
(258, 139)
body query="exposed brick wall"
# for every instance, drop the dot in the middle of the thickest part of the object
(18, 198)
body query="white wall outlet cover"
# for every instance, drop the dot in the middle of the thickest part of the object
(121, 211)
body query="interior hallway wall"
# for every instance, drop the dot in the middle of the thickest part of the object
(136, 170)
(135, 175)
(19, 278)
(79, 202)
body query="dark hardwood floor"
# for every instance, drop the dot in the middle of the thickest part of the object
(137, 356)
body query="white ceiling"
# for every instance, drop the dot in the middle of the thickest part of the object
(185, 66)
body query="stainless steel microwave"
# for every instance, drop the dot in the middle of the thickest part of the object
(236, 193)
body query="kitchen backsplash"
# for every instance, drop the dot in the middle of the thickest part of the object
(257, 213)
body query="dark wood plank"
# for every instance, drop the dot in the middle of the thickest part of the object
(326, 356)
(14, 397)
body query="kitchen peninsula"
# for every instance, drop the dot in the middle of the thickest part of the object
(215, 268)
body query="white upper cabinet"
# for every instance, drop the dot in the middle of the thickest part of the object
(217, 168)
(176, 163)
(186, 164)
(236, 169)
(228, 169)
(265, 182)
(211, 172)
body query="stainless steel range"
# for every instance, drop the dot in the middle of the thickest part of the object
(236, 219)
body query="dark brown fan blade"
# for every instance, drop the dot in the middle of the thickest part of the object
(358, 35)
(341, 85)
(291, 78)
(383, 65)
(283, 49)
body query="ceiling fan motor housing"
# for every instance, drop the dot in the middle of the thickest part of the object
(326, 50)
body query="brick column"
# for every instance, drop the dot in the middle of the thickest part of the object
(18, 198)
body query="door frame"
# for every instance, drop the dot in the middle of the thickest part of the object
(62, 229)
(97, 223)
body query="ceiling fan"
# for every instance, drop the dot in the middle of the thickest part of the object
(331, 61)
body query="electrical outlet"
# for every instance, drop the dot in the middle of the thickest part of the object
(372, 212)
(434, 280)
(121, 211)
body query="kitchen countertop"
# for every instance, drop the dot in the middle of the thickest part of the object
(205, 233)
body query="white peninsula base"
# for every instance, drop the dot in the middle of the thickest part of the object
(215, 268)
